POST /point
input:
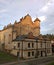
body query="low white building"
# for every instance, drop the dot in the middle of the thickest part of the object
(31, 47)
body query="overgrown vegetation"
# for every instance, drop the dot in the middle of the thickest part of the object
(49, 36)
(5, 57)
(52, 63)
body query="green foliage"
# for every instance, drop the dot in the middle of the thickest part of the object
(4, 57)
(52, 63)
(49, 36)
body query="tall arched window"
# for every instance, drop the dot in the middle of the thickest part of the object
(28, 45)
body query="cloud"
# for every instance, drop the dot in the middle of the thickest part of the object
(47, 11)
(44, 9)
(3, 10)
(1, 25)
(6, 1)
(1, 1)
(47, 7)
(42, 18)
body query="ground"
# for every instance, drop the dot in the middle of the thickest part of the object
(6, 57)
(52, 63)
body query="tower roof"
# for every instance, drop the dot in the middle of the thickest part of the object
(27, 16)
(37, 19)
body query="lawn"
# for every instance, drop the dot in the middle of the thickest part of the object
(5, 57)
(52, 63)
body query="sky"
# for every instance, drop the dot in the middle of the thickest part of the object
(11, 10)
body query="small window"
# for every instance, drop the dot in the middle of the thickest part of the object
(18, 44)
(32, 45)
(28, 45)
(41, 45)
(14, 47)
(28, 54)
(33, 53)
(48, 50)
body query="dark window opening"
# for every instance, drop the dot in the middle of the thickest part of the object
(33, 53)
(18, 44)
(52, 48)
(28, 54)
(14, 47)
(32, 45)
(28, 45)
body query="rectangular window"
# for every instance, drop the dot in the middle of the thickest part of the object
(32, 53)
(32, 45)
(41, 45)
(28, 45)
(14, 47)
(48, 50)
(28, 54)
(18, 44)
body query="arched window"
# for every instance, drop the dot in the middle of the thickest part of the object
(32, 45)
(28, 45)
(18, 44)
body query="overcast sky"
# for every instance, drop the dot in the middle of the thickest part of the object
(11, 10)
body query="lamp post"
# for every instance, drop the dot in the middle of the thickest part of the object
(41, 48)
(45, 47)
(36, 48)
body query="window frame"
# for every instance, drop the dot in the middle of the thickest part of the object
(29, 54)
(28, 45)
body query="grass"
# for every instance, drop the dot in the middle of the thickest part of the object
(52, 63)
(5, 57)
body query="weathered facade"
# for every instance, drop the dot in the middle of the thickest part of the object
(26, 25)
(20, 40)
(31, 47)
(6, 38)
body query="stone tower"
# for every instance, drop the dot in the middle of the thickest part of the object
(26, 26)
(36, 27)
